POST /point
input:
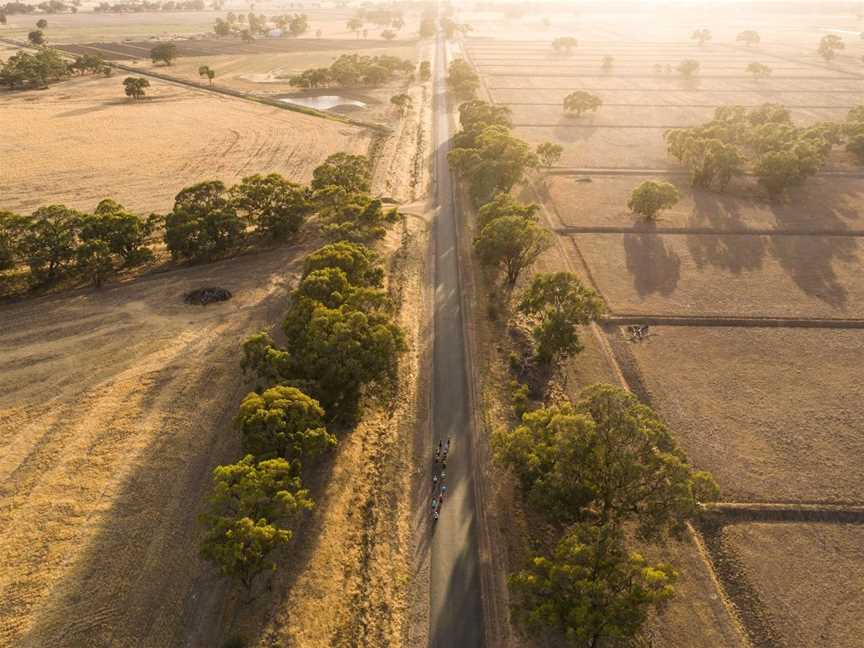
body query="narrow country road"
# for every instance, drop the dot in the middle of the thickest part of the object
(456, 613)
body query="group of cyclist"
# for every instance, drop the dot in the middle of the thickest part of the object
(439, 486)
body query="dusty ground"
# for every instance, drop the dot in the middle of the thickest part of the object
(805, 580)
(126, 156)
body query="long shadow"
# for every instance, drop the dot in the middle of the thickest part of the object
(733, 253)
(461, 595)
(569, 135)
(654, 267)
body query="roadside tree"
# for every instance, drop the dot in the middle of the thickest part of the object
(276, 206)
(204, 222)
(503, 204)
(512, 243)
(352, 173)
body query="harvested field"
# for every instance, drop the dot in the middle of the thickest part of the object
(804, 580)
(773, 414)
(143, 153)
(114, 407)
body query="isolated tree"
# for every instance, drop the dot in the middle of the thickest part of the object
(221, 27)
(36, 37)
(49, 241)
(579, 102)
(352, 173)
(759, 70)
(276, 206)
(247, 513)
(564, 44)
(557, 303)
(748, 37)
(165, 52)
(203, 223)
(701, 36)
(388, 34)
(41, 23)
(591, 590)
(283, 422)
(503, 204)
(402, 102)
(496, 163)
(607, 459)
(688, 68)
(206, 71)
(512, 243)
(134, 87)
(651, 196)
(549, 154)
(462, 80)
(608, 62)
(829, 46)
(355, 25)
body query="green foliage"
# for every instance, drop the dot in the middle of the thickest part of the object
(12, 228)
(591, 589)
(246, 515)
(558, 303)
(512, 243)
(165, 52)
(402, 101)
(203, 223)
(357, 217)
(829, 46)
(41, 23)
(549, 154)
(702, 36)
(283, 422)
(124, 233)
(207, 71)
(580, 102)
(779, 170)
(425, 70)
(355, 70)
(264, 359)
(351, 173)
(759, 70)
(519, 397)
(855, 141)
(651, 196)
(462, 80)
(688, 68)
(94, 260)
(36, 37)
(503, 204)
(25, 69)
(495, 163)
(134, 87)
(609, 459)
(359, 263)
(748, 37)
(564, 44)
(49, 242)
(476, 115)
(92, 63)
(276, 206)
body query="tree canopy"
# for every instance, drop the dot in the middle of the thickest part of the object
(748, 37)
(512, 243)
(462, 80)
(351, 173)
(278, 207)
(165, 52)
(549, 154)
(651, 196)
(134, 87)
(204, 222)
(581, 102)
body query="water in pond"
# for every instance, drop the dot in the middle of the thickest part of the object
(324, 102)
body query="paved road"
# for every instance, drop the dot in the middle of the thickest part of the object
(456, 612)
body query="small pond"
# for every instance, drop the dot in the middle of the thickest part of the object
(323, 102)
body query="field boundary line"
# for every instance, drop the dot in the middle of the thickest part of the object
(741, 321)
(732, 512)
(638, 171)
(572, 230)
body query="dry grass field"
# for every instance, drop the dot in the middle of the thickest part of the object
(82, 140)
(806, 579)
(774, 414)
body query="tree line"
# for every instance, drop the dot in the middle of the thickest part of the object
(764, 140)
(342, 343)
(47, 7)
(249, 25)
(23, 69)
(208, 220)
(150, 6)
(351, 70)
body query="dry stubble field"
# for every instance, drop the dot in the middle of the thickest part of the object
(773, 413)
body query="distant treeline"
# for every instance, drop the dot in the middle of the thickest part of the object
(151, 7)
(48, 7)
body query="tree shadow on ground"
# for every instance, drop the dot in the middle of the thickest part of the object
(575, 129)
(733, 253)
(654, 267)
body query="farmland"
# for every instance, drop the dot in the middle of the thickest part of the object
(773, 413)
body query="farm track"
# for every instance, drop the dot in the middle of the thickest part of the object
(624, 319)
(631, 171)
(572, 230)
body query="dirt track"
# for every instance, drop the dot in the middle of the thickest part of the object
(114, 407)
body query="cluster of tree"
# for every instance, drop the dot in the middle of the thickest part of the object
(24, 69)
(486, 154)
(452, 28)
(92, 63)
(343, 340)
(579, 102)
(48, 7)
(149, 6)
(382, 16)
(701, 36)
(593, 469)
(780, 154)
(56, 240)
(564, 44)
(249, 25)
(462, 79)
(355, 70)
